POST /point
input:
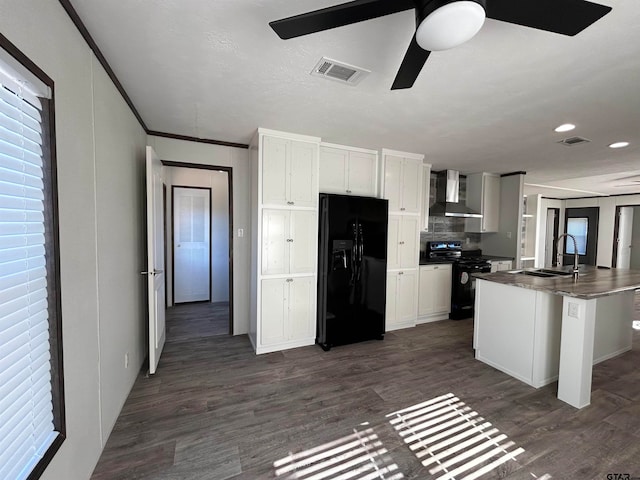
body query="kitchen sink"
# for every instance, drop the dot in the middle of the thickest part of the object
(543, 272)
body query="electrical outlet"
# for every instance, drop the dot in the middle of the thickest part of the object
(508, 234)
(574, 310)
(126, 360)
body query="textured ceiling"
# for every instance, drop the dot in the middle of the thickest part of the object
(214, 69)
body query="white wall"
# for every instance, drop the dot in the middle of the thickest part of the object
(606, 221)
(238, 160)
(218, 182)
(99, 149)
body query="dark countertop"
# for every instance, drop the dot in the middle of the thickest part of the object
(592, 282)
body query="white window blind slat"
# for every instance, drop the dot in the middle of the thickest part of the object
(15, 203)
(10, 189)
(26, 401)
(9, 255)
(29, 108)
(19, 177)
(12, 163)
(11, 150)
(22, 277)
(18, 126)
(22, 289)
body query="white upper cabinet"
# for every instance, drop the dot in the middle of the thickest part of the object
(402, 181)
(348, 171)
(289, 240)
(403, 244)
(289, 172)
(426, 190)
(483, 195)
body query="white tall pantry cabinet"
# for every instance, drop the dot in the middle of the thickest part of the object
(402, 185)
(284, 251)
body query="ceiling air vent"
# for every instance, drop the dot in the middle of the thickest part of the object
(569, 142)
(341, 72)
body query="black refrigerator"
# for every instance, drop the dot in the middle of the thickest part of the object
(352, 269)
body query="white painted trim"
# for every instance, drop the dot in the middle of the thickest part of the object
(347, 147)
(285, 346)
(398, 153)
(434, 317)
(290, 136)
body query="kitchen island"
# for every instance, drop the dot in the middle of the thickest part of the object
(540, 328)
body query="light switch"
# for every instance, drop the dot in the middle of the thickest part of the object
(240, 232)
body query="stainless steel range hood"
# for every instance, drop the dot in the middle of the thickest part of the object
(447, 195)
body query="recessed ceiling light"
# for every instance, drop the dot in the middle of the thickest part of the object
(565, 127)
(619, 145)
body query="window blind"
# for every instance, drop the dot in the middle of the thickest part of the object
(26, 405)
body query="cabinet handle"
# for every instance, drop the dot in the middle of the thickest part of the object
(400, 273)
(348, 191)
(289, 239)
(402, 209)
(289, 203)
(435, 268)
(289, 279)
(401, 243)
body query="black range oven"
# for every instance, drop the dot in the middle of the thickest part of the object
(464, 264)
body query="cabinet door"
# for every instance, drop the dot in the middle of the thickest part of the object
(362, 174)
(302, 308)
(303, 234)
(426, 293)
(274, 311)
(490, 203)
(274, 170)
(442, 288)
(409, 241)
(333, 170)
(407, 297)
(275, 242)
(393, 242)
(303, 174)
(393, 181)
(391, 317)
(411, 186)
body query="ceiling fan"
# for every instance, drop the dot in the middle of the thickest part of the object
(444, 24)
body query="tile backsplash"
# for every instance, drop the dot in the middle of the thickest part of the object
(449, 228)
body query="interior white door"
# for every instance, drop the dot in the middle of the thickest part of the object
(625, 230)
(155, 259)
(191, 244)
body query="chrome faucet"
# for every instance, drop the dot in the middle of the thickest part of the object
(575, 254)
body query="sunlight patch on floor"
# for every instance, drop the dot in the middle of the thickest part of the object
(359, 456)
(453, 440)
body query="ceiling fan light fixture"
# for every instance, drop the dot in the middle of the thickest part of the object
(450, 25)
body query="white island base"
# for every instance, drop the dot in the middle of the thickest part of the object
(539, 337)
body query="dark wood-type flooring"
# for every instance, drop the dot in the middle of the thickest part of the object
(217, 411)
(192, 321)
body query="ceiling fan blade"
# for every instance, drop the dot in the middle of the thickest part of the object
(567, 17)
(411, 66)
(337, 16)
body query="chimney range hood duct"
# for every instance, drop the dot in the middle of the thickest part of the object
(447, 186)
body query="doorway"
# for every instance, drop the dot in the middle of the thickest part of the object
(582, 223)
(551, 237)
(191, 220)
(626, 237)
(199, 249)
